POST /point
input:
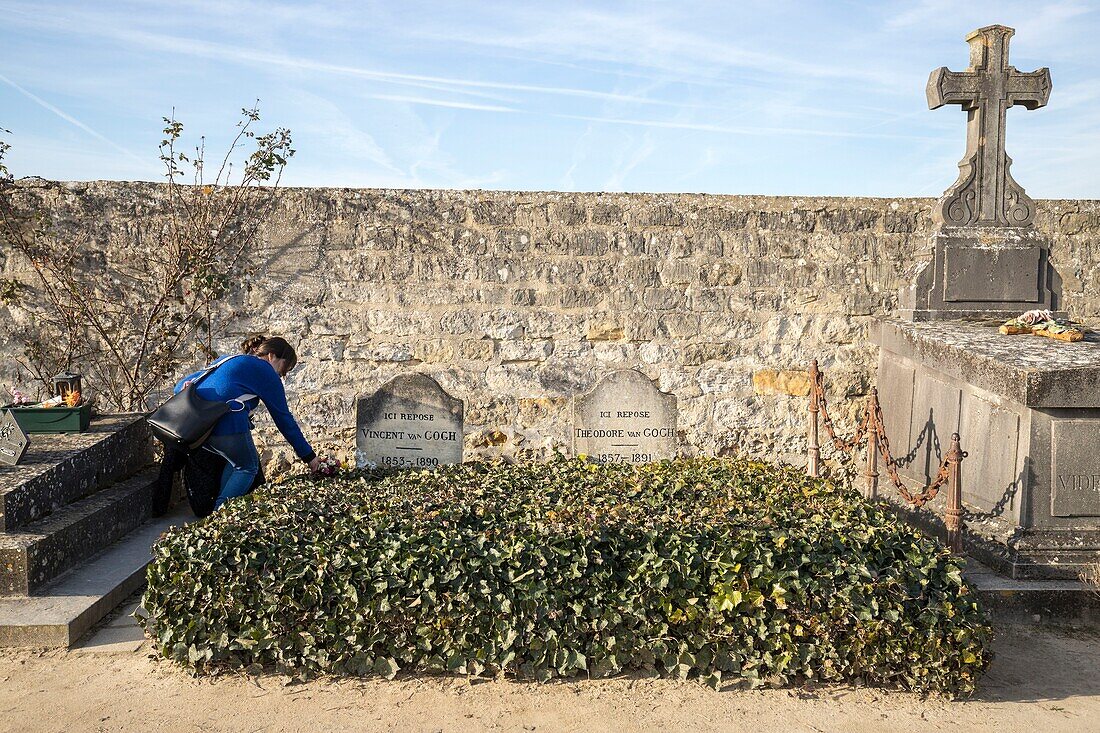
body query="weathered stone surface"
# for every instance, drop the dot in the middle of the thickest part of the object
(784, 381)
(625, 419)
(604, 331)
(991, 472)
(60, 469)
(410, 422)
(987, 261)
(993, 273)
(779, 280)
(985, 193)
(1031, 370)
(1031, 477)
(1075, 468)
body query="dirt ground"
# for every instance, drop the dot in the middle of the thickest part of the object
(1041, 681)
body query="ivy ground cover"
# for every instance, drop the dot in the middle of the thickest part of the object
(721, 569)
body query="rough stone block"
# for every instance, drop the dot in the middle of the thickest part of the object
(534, 410)
(604, 331)
(511, 351)
(608, 214)
(476, 349)
(664, 299)
(700, 353)
(661, 215)
(568, 213)
(784, 381)
(497, 213)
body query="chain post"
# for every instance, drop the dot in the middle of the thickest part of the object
(813, 450)
(871, 473)
(953, 517)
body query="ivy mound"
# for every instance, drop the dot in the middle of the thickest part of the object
(712, 568)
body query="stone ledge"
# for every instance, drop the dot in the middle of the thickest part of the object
(62, 468)
(1031, 370)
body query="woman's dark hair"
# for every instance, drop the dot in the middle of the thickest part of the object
(259, 345)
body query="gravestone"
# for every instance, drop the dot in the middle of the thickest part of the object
(410, 422)
(625, 419)
(987, 259)
(1027, 408)
(13, 441)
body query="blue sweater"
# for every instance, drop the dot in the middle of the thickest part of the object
(247, 374)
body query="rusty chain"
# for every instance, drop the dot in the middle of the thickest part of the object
(873, 420)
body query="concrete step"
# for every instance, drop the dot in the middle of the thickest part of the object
(33, 556)
(70, 605)
(63, 468)
(1054, 601)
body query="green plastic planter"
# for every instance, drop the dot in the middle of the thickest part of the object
(52, 419)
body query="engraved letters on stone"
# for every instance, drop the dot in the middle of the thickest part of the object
(625, 419)
(13, 441)
(1075, 468)
(411, 422)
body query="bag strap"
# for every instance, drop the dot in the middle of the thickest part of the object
(241, 400)
(210, 369)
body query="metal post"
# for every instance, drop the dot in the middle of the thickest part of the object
(871, 473)
(953, 517)
(813, 457)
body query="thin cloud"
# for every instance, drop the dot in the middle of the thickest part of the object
(70, 119)
(440, 103)
(736, 130)
(207, 49)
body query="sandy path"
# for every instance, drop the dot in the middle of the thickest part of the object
(1041, 681)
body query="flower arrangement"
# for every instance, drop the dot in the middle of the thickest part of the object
(1043, 323)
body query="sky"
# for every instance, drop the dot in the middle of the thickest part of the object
(735, 96)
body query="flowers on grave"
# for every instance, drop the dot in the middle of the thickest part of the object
(1043, 323)
(327, 467)
(70, 399)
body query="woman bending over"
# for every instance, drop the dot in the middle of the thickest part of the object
(258, 373)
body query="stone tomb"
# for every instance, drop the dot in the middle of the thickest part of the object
(410, 422)
(1028, 412)
(625, 419)
(1027, 408)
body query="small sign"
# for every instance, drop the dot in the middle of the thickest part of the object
(410, 422)
(625, 419)
(13, 441)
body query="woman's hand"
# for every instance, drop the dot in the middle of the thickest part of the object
(315, 464)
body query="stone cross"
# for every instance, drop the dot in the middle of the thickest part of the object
(985, 194)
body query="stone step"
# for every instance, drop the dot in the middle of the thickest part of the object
(70, 605)
(32, 556)
(60, 469)
(1048, 601)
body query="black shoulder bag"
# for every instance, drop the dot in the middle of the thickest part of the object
(185, 420)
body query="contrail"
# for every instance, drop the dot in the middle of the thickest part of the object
(70, 119)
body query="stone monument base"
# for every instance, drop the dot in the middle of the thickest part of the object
(983, 273)
(1027, 409)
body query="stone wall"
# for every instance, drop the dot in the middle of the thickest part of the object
(515, 301)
